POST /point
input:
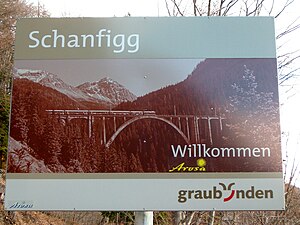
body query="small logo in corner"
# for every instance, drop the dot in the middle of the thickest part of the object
(21, 205)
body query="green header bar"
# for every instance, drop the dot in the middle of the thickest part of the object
(166, 37)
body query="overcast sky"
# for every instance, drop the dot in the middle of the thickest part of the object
(103, 8)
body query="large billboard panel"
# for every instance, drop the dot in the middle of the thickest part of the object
(145, 114)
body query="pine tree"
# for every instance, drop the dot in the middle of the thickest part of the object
(113, 161)
(20, 121)
(254, 122)
(35, 129)
(255, 113)
(135, 164)
(52, 143)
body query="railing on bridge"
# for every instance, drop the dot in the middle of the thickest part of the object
(192, 123)
(101, 112)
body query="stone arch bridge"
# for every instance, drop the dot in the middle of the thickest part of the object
(192, 128)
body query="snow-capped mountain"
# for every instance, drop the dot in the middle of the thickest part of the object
(105, 91)
(53, 81)
(108, 89)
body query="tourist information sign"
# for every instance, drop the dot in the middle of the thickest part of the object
(145, 114)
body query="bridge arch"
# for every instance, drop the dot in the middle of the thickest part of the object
(127, 123)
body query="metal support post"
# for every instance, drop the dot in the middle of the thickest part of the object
(144, 218)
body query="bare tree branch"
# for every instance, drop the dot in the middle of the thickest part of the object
(287, 3)
(283, 59)
(199, 12)
(229, 6)
(246, 7)
(288, 76)
(195, 7)
(291, 29)
(288, 62)
(177, 7)
(167, 6)
(271, 9)
(221, 7)
(256, 10)
(208, 7)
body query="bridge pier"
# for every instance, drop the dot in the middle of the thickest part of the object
(209, 130)
(187, 128)
(196, 127)
(104, 130)
(90, 119)
(221, 124)
(115, 124)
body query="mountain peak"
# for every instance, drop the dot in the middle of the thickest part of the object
(109, 89)
(33, 75)
(107, 79)
(105, 90)
(51, 80)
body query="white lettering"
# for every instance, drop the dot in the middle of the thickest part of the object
(56, 37)
(44, 41)
(118, 43)
(73, 41)
(178, 149)
(99, 36)
(84, 40)
(264, 150)
(256, 152)
(37, 42)
(201, 150)
(134, 42)
(230, 152)
(215, 152)
(242, 152)
(206, 150)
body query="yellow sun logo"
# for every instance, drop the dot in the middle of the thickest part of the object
(201, 162)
